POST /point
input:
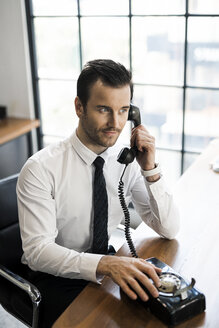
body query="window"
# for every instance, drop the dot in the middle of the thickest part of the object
(170, 46)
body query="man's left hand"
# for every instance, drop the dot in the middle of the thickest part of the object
(145, 142)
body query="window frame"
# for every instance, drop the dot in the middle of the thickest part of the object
(35, 79)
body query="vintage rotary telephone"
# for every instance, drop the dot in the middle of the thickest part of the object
(178, 300)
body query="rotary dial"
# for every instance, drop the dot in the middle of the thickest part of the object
(169, 283)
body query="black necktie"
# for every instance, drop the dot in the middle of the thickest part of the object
(100, 235)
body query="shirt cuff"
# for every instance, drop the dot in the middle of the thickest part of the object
(88, 267)
(158, 187)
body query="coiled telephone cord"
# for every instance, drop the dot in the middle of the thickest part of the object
(127, 216)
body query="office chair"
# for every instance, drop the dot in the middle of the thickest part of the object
(17, 296)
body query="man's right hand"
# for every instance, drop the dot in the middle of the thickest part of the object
(128, 272)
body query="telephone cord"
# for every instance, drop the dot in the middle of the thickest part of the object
(127, 216)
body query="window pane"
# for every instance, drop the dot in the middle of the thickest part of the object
(204, 7)
(105, 38)
(57, 47)
(57, 107)
(161, 112)
(170, 162)
(189, 160)
(202, 118)
(104, 7)
(158, 7)
(203, 52)
(54, 7)
(158, 50)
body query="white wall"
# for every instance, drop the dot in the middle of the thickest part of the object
(15, 74)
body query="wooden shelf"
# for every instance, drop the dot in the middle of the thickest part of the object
(11, 128)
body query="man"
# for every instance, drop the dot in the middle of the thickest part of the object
(55, 197)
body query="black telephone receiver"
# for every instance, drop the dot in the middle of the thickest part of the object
(127, 155)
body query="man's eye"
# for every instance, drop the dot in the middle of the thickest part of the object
(103, 110)
(123, 110)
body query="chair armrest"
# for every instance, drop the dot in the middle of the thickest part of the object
(22, 283)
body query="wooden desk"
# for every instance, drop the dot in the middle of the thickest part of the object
(194, 253)
(11, 128)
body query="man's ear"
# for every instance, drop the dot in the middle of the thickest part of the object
(79, 107)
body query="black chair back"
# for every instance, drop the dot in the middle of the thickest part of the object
(10, 240)
(17, 295)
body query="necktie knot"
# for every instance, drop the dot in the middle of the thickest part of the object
(99, 162)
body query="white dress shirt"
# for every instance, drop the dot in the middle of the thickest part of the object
(55, 206)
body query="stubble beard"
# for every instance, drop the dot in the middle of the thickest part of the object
(96, 136)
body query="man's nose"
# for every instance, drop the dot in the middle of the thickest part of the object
(114, 120)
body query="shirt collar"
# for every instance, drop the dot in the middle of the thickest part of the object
(87, 155)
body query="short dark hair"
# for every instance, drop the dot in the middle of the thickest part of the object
(109, 72)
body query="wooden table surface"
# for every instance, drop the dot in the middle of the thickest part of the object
(194, 253)
(11, 128)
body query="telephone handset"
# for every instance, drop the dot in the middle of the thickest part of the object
(127, 155)
(134, 115)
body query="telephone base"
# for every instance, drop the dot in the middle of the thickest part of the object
(179, 306)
